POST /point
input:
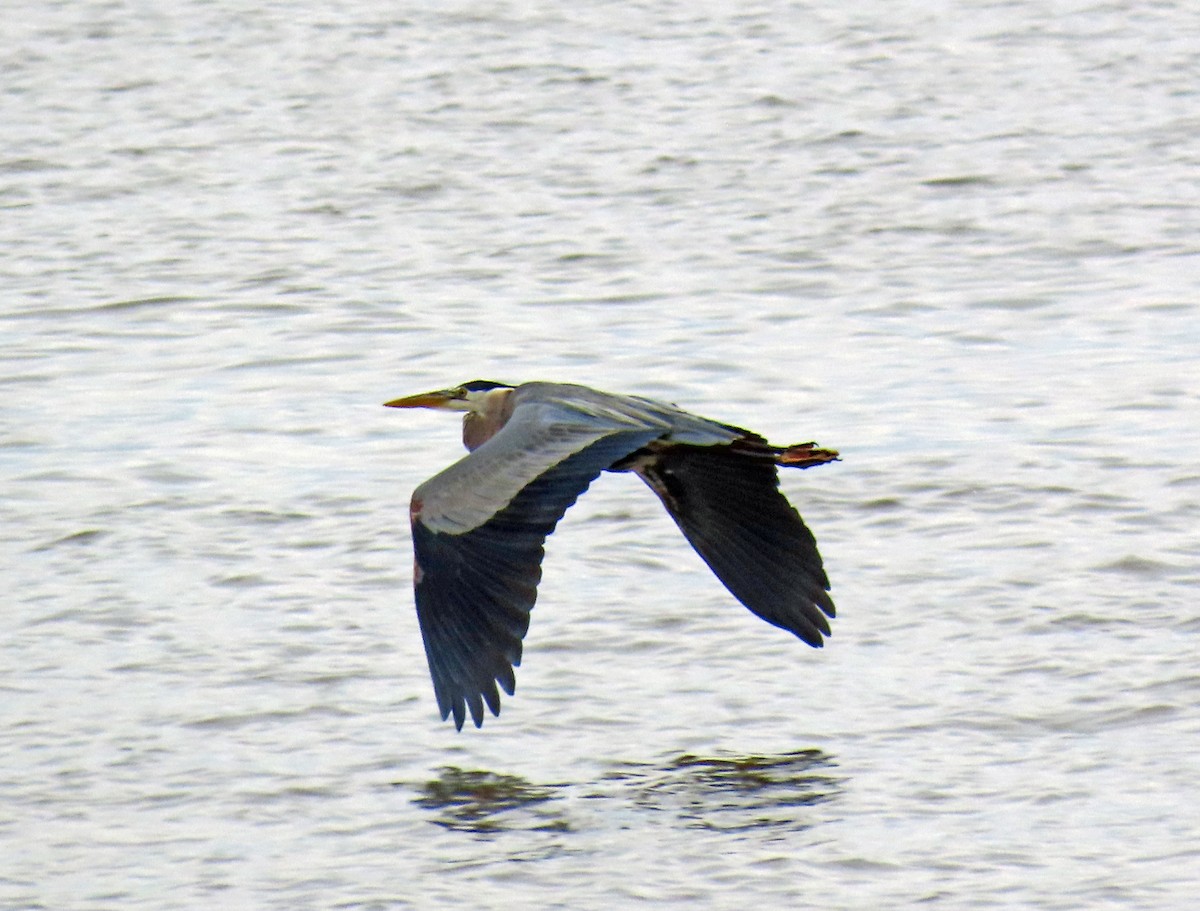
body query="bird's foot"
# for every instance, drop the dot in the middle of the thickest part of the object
(805, 455)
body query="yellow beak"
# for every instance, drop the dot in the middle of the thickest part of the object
(439, 399)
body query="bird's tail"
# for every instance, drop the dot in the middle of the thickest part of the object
(805, 455)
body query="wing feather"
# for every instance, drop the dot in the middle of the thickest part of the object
(728, 505)
(539, 434)
(476, 575)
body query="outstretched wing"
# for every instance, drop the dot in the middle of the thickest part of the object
(728, 505)
(478, 533)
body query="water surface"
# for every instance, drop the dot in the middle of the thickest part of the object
(959, 245)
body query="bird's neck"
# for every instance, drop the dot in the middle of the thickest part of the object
(487, 417)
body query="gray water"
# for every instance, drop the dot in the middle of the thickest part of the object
(957, 242)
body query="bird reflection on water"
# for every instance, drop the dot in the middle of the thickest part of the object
(724, 793)
(738, 793)
(474, 801)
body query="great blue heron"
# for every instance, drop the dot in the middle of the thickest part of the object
(479, 527)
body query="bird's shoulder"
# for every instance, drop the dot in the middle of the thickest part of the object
(543, 431)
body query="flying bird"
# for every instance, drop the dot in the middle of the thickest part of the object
(479, 526)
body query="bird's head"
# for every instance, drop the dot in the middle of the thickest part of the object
(467, 397)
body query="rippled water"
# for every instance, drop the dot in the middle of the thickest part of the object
(958, 243)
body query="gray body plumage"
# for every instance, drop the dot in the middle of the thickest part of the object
(550, 421)
(479, 526)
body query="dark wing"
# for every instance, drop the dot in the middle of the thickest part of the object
(475, 587)
(728, 505)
